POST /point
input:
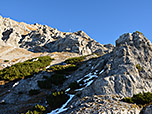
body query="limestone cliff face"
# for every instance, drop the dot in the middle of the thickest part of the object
(42, 38)
(125, 71)
(128, 69)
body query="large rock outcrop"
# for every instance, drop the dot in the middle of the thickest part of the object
(124, 72)
(147, 110)
(42, 38)
(128, 70)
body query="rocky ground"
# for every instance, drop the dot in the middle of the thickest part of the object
(109, 73)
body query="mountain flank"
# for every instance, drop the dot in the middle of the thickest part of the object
(42, 38)
(47, 71)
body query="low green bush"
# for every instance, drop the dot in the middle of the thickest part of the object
(74, 60)
(139, 99)
(38, 109)
(63, 69)
(57, 99)
(46, 84)
(67, 70)
(139, 67)
(27, 68)
(127, 99)
(34, 92)
(6, 60)
(20, 92)
(58, 77)
(56, 67)
(78, 94)
(74, 85)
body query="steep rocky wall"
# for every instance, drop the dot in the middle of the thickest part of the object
(125, 71)
(128, 70)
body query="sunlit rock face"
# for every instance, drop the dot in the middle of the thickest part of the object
(42, 38)
(120, 71)
(126, 71)
(122, 74)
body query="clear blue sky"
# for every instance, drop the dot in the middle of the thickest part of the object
(102, 20)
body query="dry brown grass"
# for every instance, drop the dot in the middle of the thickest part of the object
(31, 28)
(27, 26)
(1, 60)
(25, 32)
(14, 60)
(4, 48)
(20, 51)
(1, 67)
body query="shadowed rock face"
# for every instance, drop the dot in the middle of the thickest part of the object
(147, 110)
(42, 38)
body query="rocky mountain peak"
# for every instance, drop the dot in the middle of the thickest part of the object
(137, 39)
(94, 80)
(42, 38)
(128, 68)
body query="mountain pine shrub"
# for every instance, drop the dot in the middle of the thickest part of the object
(139, 67)
(74, 85)
(46, 84)
(38, 109)
(139, 99)
(6, 60)
(27, 68)
(34, 92)
(58, 78)
(74, 60)
(63, 69)
(57, 99)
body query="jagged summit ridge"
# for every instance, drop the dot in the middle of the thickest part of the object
(123, 72)
(121, 75)
(42, 38)
(136, 39)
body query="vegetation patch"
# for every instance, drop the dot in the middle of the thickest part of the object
(74, 60)
(46, 84)
(56, 79)
(6, 60)
(38, 109)
(34, 92)
(74, 85)
(56, 67)
(63, 69)
(139, 99)
(27, 68)
(57, 99)
(139, 67)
